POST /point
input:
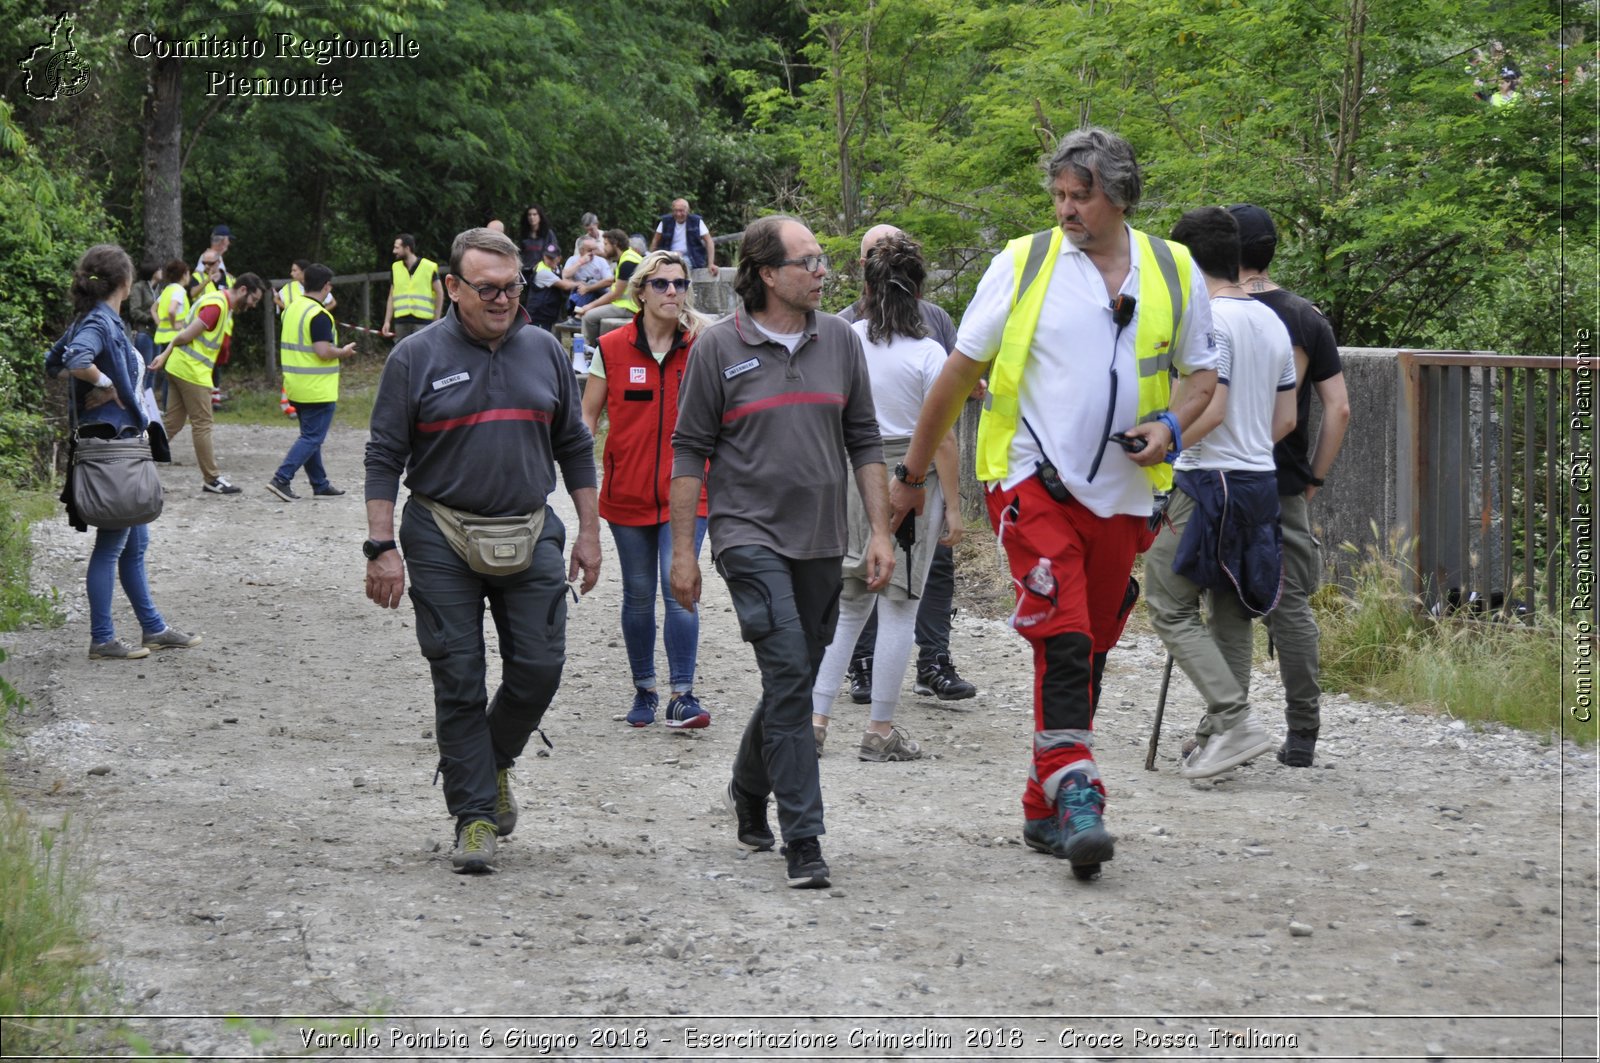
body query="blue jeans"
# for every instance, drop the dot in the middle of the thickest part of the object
(315, 420)
(120, 552)
(645, 554)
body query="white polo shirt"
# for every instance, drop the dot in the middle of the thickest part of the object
(1066, 385)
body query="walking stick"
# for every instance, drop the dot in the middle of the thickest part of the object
(1161, 708)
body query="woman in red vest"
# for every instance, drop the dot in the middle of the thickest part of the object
(635, 379)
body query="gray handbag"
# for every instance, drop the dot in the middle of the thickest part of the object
(111, 483)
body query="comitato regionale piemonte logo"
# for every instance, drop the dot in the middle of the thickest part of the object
(55, 70)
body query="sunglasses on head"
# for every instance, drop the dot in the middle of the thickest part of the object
(661, 284)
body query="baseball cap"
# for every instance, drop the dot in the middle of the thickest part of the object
(222, 230)
(1255, 224)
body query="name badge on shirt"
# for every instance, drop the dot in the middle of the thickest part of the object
(743, 367)
(636, 375)
(445, 382)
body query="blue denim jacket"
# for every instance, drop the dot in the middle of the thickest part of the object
(100, 339)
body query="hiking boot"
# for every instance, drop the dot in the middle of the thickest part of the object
(221, 486)
(754, 834)
(505, 804)
(1299, 748)
(474, 852)
(282, 489)
(820, 736)
(897, 746)
(1242, 742)
(860, 675)
(643, 713)
(807, 869)
(1083, 839)
(1042, 835)
(172, 639)
(327, 491)
(685, 713)
(939, 678)
(116, 650)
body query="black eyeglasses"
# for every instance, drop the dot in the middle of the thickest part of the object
(662, 284)
(490, 293)
(811, 263)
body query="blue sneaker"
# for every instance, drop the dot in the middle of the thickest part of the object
(684, 712)
(643, 713)
(1084, 841)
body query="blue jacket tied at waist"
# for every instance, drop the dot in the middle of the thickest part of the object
(1233, 542)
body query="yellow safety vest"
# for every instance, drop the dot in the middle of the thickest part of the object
(1164, 272)
(306, 377)
(210, 286)
(167, 325)
(413, 292)
(195, 360)
(621, 286)
(290, 292)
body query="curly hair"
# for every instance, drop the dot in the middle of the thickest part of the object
(893, 283)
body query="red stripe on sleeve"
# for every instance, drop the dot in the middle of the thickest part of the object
(537, 416)
(797, 398)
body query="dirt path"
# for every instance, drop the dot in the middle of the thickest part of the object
(267, 842)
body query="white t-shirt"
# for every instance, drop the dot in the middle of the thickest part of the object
(1255, 359)
(597, 367)
(790, 340)
(1066, 385)
(680, 235)
(902, 372)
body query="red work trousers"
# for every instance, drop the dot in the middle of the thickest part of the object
(1091, 558)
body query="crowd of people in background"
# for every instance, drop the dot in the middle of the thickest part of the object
(750, 429)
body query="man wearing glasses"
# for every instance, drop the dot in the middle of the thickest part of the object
(775, 381)
(1079, 329)
(477, 411)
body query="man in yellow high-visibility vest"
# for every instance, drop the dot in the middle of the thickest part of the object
(1079, 328)
(189, 359)
(416, 295)
(311, 356)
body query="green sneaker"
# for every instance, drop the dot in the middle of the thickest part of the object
(474, 853)
(505, 805)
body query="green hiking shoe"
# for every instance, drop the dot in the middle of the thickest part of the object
(505, 805)
(474, 853)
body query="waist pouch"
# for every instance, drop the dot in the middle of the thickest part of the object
(491, 546)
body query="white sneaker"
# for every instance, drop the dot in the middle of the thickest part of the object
(1242, 742)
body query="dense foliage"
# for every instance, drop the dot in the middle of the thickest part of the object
(1414, 212)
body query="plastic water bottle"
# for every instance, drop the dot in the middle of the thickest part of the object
(580, 357)
(1037, 603)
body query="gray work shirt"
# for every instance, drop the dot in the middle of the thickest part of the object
(781, 431)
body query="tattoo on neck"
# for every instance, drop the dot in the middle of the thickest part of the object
(1257, 284)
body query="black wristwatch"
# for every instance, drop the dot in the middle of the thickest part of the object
(376, 548)
(1314, 481)
(903, 474)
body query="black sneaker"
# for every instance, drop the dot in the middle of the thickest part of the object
(282, 489)
(221, 486)
(860, 676)
(807, 869)
(938, 678)
(329, 491)
(1299, 748)
(754, 834)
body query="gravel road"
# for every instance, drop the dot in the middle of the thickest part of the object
(265, 842)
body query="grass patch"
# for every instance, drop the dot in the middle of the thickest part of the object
(19, 607)
(254, 399)
(1380, 640)
(45, 959)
